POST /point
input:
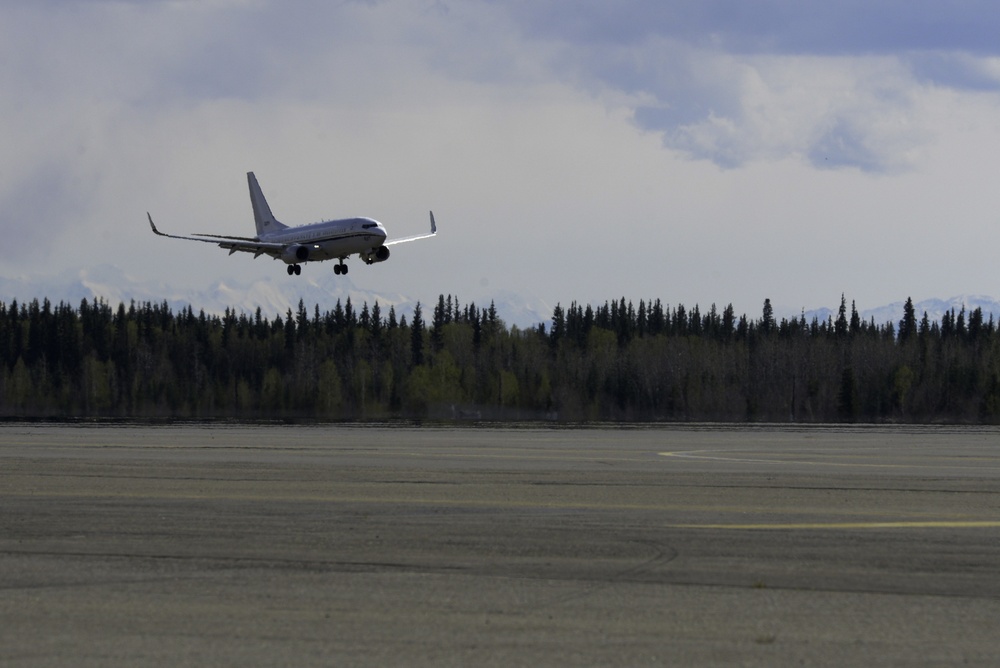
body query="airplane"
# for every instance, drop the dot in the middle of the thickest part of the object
(332, 239)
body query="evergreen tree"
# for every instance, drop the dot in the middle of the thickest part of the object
(437, 324)
(840, 327)
(558, 326)
(417, 336)
(908, 325)
(143, 360)
(767, 323)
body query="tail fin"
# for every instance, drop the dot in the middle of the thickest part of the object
(262, 216)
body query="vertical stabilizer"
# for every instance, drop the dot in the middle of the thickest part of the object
(262, 216)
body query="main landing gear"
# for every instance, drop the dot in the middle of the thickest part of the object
(296, 269)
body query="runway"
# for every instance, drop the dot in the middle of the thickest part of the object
(354, 545)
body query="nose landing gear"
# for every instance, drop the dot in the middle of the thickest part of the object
(340, 268)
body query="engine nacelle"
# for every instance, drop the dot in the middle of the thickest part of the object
(380, 254)
(295, 254)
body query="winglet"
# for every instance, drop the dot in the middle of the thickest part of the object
(155, 231)
(434, 227)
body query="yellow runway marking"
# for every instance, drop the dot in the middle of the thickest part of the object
(702, 455)
(976, 524)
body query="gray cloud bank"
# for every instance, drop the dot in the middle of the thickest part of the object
(734, 82)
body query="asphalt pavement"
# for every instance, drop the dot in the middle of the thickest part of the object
(359, 545)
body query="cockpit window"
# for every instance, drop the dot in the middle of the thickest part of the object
(367, 225)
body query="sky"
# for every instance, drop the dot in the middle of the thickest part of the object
(698, 152)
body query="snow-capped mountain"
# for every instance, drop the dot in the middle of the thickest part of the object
(272, 297)
(934, 308)
(324, 289)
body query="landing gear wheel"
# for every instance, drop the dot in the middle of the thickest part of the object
(336, 269)
(298, 269)
(343, 268)
(291, 269)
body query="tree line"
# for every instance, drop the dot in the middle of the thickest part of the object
(617, 361)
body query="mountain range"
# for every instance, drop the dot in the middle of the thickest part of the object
(934, 308)
(111, 284)
(273, 297)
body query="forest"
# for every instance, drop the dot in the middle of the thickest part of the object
(613, 362)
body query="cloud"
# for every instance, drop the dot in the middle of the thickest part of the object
(734, 110)
(773, 27)
(735, 83)
(37, 203)
(641, 148)
(958, 70)
(729, 82)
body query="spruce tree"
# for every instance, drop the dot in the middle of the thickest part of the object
(908, 325)
(417, 336)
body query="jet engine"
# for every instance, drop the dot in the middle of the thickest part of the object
(380, 254)
(295, 254)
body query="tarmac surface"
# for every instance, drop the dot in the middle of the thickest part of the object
(345, 545)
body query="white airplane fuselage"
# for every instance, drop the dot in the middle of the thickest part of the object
(333, 239)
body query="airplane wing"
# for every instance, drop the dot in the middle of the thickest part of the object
(232, 244)
(418, 236)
